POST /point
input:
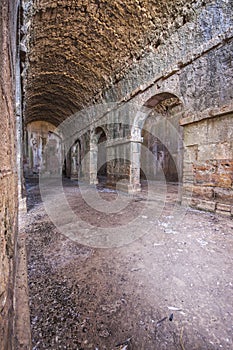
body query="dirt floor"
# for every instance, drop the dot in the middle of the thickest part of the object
(168, 287)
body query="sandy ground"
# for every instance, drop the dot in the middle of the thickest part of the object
(168, 287)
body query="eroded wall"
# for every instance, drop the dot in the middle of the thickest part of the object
(8, 169)
(208, 164)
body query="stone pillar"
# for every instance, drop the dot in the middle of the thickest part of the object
(88, 164)
(93, 162)
(123, 159)
(74, 168)
(135, 152)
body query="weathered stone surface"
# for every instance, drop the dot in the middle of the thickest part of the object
(196, 43)
(215, 151)
(204, 205)
(190, 117)
(96, 45)
(214, 173)
(191, 153)
(8, 178)
(223, 212)
(188, 173)
(223, 195)
(209, 151)
(190, 190)
(224, 207)
(196, 134)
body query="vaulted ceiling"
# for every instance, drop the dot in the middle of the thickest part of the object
(79, 47)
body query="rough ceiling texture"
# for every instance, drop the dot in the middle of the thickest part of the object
(77, 48)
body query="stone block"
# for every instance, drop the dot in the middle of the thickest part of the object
(199, 191)
(226, 166)
(194, 202)
(136, 160)
(127, 187)
(136, 147)
(222, 212)
(215, 151)
(186, 200)
(188, 166)
(206, 205)
(213, 173)
(224, 207)
(223, 195)
(195, 133)
(220, 129)
(188, 173)
(191, 153)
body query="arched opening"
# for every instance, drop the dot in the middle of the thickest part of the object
(43, 149)
(75, 160)
(101, 156)
(162, 146)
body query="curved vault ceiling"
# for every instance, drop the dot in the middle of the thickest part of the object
(78, 47)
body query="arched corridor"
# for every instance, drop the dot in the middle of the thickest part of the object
(116, 175)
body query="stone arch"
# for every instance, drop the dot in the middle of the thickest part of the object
(158, 133)
(148, 104)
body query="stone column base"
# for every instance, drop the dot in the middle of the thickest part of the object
(127, 187)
